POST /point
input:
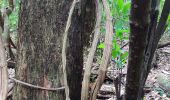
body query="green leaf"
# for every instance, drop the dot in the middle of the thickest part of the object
(126, 8)
(120, 4)
(101, 46)
(168, 20)
(123, 31)
(124, 55)
(114, 54)
(117, 47)
(119, 33)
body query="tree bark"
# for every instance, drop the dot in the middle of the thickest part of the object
(89, 17)
(139, 25)
(41, 27)
(80, 31)
(157, 30)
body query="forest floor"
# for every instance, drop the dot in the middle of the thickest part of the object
(157, 86)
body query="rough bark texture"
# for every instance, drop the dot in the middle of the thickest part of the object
(81, 27)
(140, 62)
(41, 25)
(149, 51)
(106, 53)
(88, 65)
(158, 32)
(139, 25)
(155, 33)
(89, 18)
(41, 28)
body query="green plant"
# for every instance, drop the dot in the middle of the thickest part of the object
(14, 18)
(118, 54)
(120, 13)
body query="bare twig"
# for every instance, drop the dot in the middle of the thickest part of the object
(85, 84)
(106, 52)
(64, 49)
(163, 19)
(36, 87)
(125, 45)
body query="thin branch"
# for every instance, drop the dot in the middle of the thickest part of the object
(125, 45)
(36, 87)
(106, 52)
(64, 49)
(164, 16)
(86, 79)
(160, 29)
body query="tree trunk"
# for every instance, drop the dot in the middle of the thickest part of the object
(80, 31)
(140, 20)
(41, 28)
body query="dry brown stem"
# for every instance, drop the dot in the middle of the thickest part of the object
(106, 52)
(36, 87)
(64, 49)
(85, 84)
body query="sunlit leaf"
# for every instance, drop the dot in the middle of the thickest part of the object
(120, 4)
(119, 33)
(126, 8)
(101, 46)
(114, 54)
